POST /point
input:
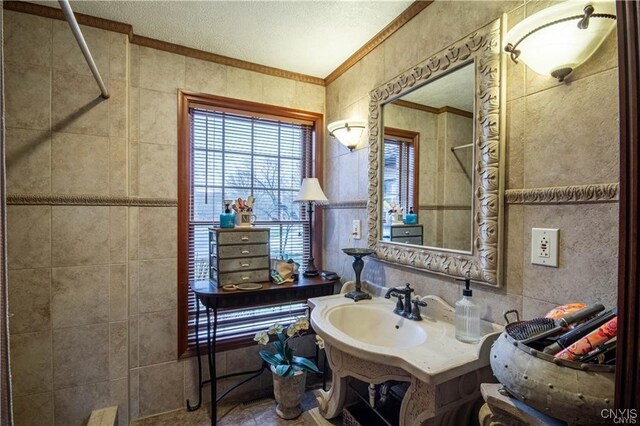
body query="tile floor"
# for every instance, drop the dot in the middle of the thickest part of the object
(259, 413)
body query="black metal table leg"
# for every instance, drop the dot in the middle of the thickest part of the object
(200, 384)
(211, 358)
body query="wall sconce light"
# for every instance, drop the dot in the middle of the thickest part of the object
(560, 38)
(348, 132)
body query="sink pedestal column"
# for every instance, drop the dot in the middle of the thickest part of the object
(454, 402)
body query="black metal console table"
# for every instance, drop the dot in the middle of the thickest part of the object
(214, 298)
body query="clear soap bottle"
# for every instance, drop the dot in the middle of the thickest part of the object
(467, 316)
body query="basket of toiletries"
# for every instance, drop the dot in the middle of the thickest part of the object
(562, 364)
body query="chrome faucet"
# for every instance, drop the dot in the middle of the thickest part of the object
(403, 308)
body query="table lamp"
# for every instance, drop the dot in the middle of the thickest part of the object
(311, 193)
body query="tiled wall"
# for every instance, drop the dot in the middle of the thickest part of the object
(158, 381)
(90, 284)
(93, 288)
(67, 264)
(557, 134)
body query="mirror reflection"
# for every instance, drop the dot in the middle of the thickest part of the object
(428, 174)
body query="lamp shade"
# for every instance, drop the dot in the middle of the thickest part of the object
(560, 38)
(311, 191)
(348, 132)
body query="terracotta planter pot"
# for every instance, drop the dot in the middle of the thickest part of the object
(288, 392)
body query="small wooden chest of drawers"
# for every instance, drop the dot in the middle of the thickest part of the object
(239, 255)
(408, 234)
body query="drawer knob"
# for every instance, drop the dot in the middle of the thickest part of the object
(244, 265)
(245, 278)
(245, 238)
(245, 252)
(406, 232)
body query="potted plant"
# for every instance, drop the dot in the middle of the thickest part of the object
(289, 371)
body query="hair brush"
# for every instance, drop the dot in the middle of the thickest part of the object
(538, 328)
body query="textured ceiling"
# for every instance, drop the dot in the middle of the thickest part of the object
(454, 89)
(308, 37)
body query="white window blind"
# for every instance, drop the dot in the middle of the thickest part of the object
(399, 173)
(234, 155)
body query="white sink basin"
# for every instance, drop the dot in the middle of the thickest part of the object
(427, 349)
(375, 326)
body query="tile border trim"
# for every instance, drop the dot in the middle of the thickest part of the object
(355, 204)
(87, 200)
(572, 194)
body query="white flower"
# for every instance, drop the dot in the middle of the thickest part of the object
(275, 329)
(302, 323)
(291, 330)
(319, 341)
(261, 337)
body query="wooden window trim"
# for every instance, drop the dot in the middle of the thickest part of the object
(186, 100)
(414, 138)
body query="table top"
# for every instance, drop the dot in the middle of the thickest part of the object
(213, 296)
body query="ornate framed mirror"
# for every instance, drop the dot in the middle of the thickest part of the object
(453, 178)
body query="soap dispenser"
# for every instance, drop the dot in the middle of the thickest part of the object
(227, 219)
(410, 218)
(467, 316)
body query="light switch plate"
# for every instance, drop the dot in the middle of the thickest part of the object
(544, 246)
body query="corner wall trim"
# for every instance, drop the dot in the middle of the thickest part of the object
(574, 194)
(87, 200)
(408, 14)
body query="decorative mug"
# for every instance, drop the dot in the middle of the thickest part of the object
(244, 219)
(395, 218)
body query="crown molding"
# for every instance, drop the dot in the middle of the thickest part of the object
(408, 14)
(123, 28)
(433, 110)
(119, 27)
(53, 13)
(573, 194)
(87, 200)
(223, 60)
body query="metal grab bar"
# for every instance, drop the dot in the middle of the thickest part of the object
(75, 28)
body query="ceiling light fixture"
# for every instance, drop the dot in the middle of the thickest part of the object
(348, 132)
(560, 38)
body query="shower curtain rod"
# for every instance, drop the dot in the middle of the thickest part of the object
(455, 148)
(75, 28)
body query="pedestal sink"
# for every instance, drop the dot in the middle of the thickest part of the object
(367, 341)
(390, 329)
